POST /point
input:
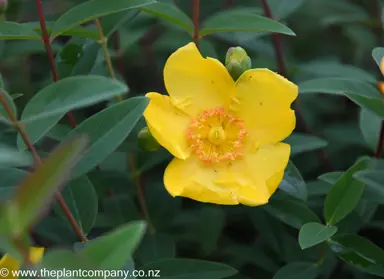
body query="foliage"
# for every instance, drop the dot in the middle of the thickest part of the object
(75, 179)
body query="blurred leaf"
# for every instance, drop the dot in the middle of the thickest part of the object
(81, 198)
(188, 269)
(87, 60)
(344, 195)
(34, 194)
(120, 209)
(107, 130)
(301, 143)
(211, 224)
(170, 13)
(3, 113)
(293, 183)
(241, 22)
(10, 178)
(112, 22)
(359, 252)
(155, 247)
(293, 213)
(52, 228)
(374, 180)
(88, 11)
(314, 233)
(297, 270)
(50, 104)
(283, 8)
(112, 250)
(15, 31)
(359, 92)
(378, 54)
(370, 125)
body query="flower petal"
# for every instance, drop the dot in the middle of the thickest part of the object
(196, 83)
(168, 125)
(36, 254)
(190, 178)
(263, 101)
(10, 263)
(267, 164)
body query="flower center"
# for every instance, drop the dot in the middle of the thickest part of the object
(216, 136)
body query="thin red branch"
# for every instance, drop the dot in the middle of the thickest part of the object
(196, 15)
(48, 49)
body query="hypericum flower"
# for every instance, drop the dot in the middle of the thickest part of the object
(226, 136)
(12, 264)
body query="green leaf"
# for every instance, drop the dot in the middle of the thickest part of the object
(301, 143)
(188, 269)
(212, 221)
(50, 104)
(293, 183)
(374, 181)
(112, 250)
(359, 252)
(15, 31)
(378, 54)
(155, 247)
(91, 10)
(293, 213)
(86, 62)
(312, 234)
(362, 93)
(112, 22)
(81, 198)
(10, 157)
(284, 8)
(370, 125)
(241, 21)
(4, 117)
(52, 228)
(10, 178)
(297, 270)
(107, 130)
(170, 13)
(39, 187)
(344, 195)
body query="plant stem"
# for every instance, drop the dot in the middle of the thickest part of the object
(281, 68)
(49, 52)
(103, 41)
(196, 15)
(19, 127)
(119, 53)
(140, 194)
(23, 249)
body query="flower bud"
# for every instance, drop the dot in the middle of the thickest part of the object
(380, 86)
(3, 5)
(237, 62)
(146, 140)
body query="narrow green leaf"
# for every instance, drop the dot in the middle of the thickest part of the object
(112, 22)
(210, 228)
(170, 13)
(155, 247)
(374, 181)
(314, 233)
(293, 213)
(293, 183)
(107, 130)
(10, 157)
(50, 104)
(370, 125)
(81, 198)
(87, 60)
(111, 251)
(91, 10)
(344, 195)
(15, 31)
(39, 187)
(378, 54)
(241, 22)
(284, 8)
(188, 269)
(297, 270)
(359, 252)
(360, 92)
(301, 143)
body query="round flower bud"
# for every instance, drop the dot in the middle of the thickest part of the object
(146, 140)
(237, 62)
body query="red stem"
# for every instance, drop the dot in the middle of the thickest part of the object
(49, 52)
(196, 15)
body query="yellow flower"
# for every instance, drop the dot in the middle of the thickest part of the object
(12, 264)
(226, 136)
